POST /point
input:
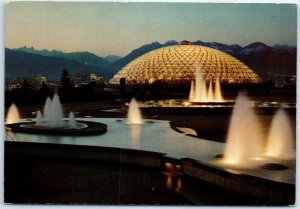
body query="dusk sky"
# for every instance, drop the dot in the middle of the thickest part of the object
(118, 28)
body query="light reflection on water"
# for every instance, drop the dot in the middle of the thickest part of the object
(169, 181)
(173, 182)
(225, 103)
(184, 103)
(179, 184)
(135, 131)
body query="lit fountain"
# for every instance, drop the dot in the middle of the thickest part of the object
(210, 94)
(135, 119)
(253, 167)
(53, 115)
(72, 122)
(199, 94)
(53, 122)
(134, 115)
(55, 118)
(244, 140)
(280, 142)
(203, 95)
(47, 108)
(13, 115)
(192, 92)
(200, 87)
(244, 146)
(218, 93)
(39, 118)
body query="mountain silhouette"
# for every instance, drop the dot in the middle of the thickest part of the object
(26, 61)
(85, 58)
(24, 64)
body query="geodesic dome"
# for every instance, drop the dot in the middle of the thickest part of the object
(177, 65)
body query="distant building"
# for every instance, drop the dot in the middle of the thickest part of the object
(77, 79)
(41, 79)
(283, 80)
(93, 77)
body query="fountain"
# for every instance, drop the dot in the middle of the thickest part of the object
(192, 92)
(55, 118)
(134, 115)
(218, 93)
(53, 115)
(245, 144)
(52, 122)
(203, 94)
(47, 108)
(199, 94)
(210, 94)
(244, 140)
(39, 118)
(12, 115)
(72, 120)
(135, 120)
(280, 142)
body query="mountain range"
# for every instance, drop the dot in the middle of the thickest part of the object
(27, 61)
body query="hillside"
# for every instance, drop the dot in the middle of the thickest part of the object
(24, 64)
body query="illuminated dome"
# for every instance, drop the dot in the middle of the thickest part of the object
(177, 65)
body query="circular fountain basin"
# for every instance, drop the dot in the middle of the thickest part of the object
(44, 125)
(82, 128)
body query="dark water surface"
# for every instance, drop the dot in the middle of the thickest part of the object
(68, 182)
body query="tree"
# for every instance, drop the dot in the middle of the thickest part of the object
(65, 78)
(67, 90)
(26, 86)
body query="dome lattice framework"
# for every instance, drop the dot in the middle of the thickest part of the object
(177, 65)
